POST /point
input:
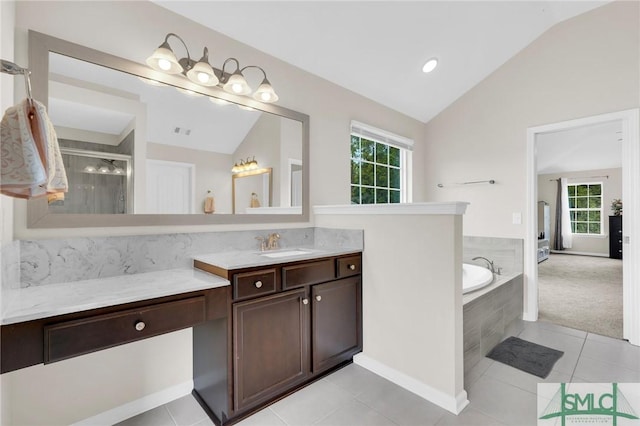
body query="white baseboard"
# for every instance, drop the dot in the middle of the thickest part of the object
(453, 404)
(133, 408)
(579, 253)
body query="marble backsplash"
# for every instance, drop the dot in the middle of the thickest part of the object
(10, 265)
(506, 253)
(41, 262)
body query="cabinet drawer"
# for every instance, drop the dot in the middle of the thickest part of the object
(71, 338)
(348, 266)
(256, 283)
(307, 273)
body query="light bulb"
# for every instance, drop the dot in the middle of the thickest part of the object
(203, 77)
(118, 171)
(265, 96)
(103, 169)
(164, 64)
(430, 65)
(89, 169)
(237, 88)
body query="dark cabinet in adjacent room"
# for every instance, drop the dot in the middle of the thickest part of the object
(615, 237)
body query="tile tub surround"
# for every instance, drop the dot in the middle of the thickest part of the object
(43, 262)
(490, 318)
(506, 253)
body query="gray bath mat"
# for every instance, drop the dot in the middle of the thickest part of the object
(526, 356)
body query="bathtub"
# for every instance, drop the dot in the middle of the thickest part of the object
(475, 277)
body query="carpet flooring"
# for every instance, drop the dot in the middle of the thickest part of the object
(581, 292)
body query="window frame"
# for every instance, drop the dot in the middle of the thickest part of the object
(587, 209)
(379, 136)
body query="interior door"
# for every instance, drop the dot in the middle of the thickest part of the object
(170, 187)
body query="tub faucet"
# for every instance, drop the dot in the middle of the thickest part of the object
(489, 263)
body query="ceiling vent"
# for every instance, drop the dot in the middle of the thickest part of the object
(182, 131)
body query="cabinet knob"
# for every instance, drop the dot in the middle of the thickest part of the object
(140, 325)
(620, 241)
(305, 301)
(318, 298)
(258, 284)
(619, 251)
(619, 231)
(352, 267)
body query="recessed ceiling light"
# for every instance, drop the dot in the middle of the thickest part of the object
(430, 65)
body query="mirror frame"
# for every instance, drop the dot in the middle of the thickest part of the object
(38, 216)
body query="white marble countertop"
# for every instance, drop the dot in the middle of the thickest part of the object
(247, 259)
(44, 301)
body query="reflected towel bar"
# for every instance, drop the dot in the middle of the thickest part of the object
(489, 182)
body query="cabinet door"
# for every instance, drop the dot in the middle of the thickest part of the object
(270, 345)
(336, 322)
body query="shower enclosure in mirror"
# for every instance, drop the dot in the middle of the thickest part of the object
(180, 139)
(99, 182)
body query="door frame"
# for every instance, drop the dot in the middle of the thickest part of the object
(631, 228)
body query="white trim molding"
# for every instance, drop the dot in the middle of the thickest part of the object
(139, 406)
(453, 404)
(631, 224)
(453, 207)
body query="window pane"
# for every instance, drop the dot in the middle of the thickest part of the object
(572, 202)
(355, 195)
(594, 216)
(581, 202)
(581, 228)
(595, 202)
(573, 216)
(355, 172)
(368, 196)
(367, 174)
(572, 189)
(582, 190)
(382, 153)
(595, 189)
(394, 196)
(394, 178)
(355, 147)
(382, 196)
(573, 227)
(382, 176)
(594, 228)
(368, 148)
(394, 156)
(582, 216)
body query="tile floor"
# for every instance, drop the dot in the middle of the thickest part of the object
(499, 395)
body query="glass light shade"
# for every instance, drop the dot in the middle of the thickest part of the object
(265, 93)
(237, 85)
(118, 171)
(203, 74)
(163, 59)
(103, 169)
(90, 169)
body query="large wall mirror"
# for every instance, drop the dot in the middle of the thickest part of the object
(145, 148)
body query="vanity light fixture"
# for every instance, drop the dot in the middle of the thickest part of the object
(201, 72)
(244, 166)
(104, 169)
(430, 65)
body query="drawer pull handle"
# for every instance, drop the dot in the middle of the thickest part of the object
(305, 301)
(140, 325)
(258, 284)
(352, 267)
(318, 298)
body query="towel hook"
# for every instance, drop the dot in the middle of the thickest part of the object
(9, 67)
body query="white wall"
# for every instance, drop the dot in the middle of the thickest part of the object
(611, 188)
(213, 172)
(585, 66)
(412, 298)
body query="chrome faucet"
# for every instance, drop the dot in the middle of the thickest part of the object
(263, 244)
(490, 265)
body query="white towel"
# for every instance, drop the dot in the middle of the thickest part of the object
(30, 160)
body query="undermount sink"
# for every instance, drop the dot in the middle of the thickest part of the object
(286, 253)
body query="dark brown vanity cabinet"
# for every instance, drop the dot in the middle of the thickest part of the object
(290, 323)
